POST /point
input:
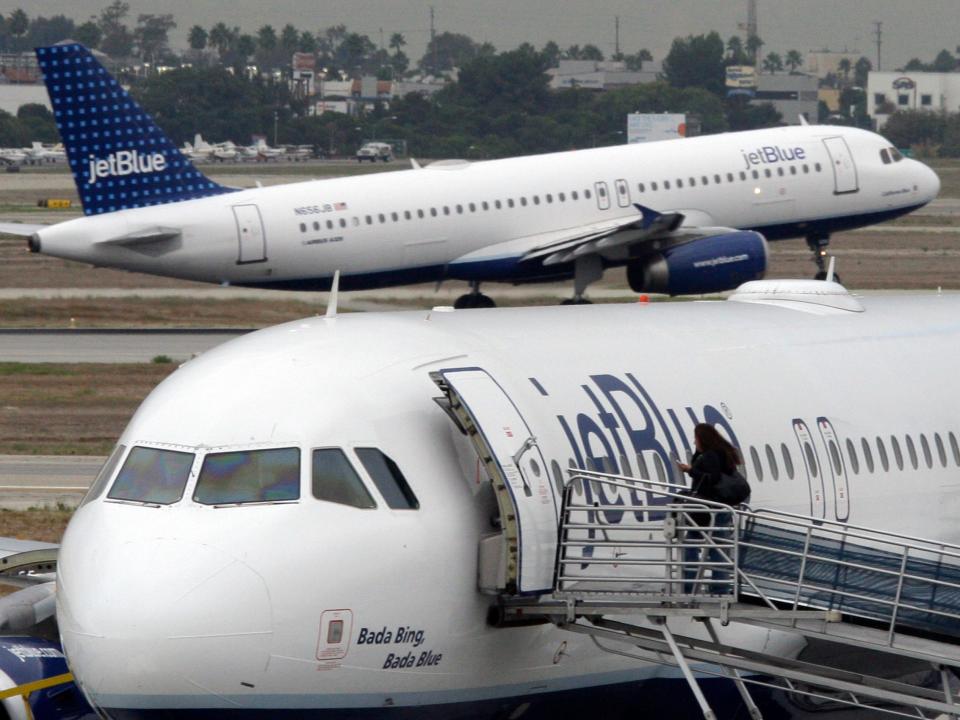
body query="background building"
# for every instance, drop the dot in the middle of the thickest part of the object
(888, 92)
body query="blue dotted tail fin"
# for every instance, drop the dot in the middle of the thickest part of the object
(119, 157)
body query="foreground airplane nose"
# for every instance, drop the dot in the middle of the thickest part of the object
(161, 617)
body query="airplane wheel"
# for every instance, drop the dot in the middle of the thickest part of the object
(473, 300)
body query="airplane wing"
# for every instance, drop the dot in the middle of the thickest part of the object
(20, 229)
(622, 237)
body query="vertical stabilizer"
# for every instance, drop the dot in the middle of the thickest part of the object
(118, 156)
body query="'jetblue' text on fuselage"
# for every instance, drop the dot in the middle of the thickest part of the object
(772, 154)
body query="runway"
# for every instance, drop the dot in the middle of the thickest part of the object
(39, 480)
(108, 346)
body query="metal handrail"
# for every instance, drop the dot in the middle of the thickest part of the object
(764, 566)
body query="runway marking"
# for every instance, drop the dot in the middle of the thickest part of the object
(43, 487)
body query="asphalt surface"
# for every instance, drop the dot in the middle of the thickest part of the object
(40, 480)
(108, 346)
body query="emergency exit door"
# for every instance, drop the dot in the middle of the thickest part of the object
(521, 482)
(844, 169)
(250, 234)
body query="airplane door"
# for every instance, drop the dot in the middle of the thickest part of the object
(603, 195)
(514, 463)
(250, 234)
(812, 464)
(841, 494)
(844, 171)
(623, 193)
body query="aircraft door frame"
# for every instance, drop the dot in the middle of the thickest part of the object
(602, 192)
(251, 234)
(815, 472)
(844, 169)
(841, 491)
(515, 464)
(623, 192)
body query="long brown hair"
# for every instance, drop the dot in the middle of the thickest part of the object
(709, 439)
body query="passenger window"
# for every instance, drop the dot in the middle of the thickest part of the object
(329, 224)
(766, 172)
(757, 467)
(852, 457)
(743, 175)
(335, 480)
(394, 217)
(811, 458)
(303, 227)
(523, 201)
(249, 476)
(154, 476)
(549, 198)
(459, 209)
(666, 184)
(679, 183)
(941, 450)
(343, 222)
(485, 205)
(729, 177)
(912, 452)
(640, 187)
(897, 454)
(510, 202)
(885, 156)
(388, 479)
(561, 197)
(382, 218)
(536, 199)
(927, 455)
(772, 462)
(573, 195)
(356, 221)
(407, 215)
(369, 220)
(433, 212)
(835, 457)
(104, 476)
(882, 452)
(653, 186)
(642, 467)
(496, 204)
(780, 171)
(716, 178)
(446, 209)
(867, 454)
(586, 195)
(793, 169)
(955, 448)
(316, 225)
(806, 168)
(473, 207)
(817, 167)
(787, 460)
(755, 174)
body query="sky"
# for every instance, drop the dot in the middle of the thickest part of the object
(917, 28)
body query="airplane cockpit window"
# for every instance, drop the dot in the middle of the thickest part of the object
(895, 154)
(335, 480)
(388, 479)
(249, 476)
(885, 156)
(153, 476)
(104, 476)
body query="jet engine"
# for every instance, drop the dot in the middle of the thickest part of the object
(705, 265)
(25, 660)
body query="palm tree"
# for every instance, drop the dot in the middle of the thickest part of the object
(735, 50)
(754, 43)
(773, 63)
(198, 38)
(220, 37)
(793, 60)
(397, 41)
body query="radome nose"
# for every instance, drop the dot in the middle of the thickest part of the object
(161, 616)
(931, 182)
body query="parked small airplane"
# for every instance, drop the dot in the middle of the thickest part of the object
(684, 216)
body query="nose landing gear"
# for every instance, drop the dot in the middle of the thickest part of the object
(818, 246)
(474, 298)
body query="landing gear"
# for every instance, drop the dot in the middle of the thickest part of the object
(474, 298)
(818, 246)
(586, 270)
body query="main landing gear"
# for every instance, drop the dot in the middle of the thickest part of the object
(818, 246)
(474, 298)
(586, 269)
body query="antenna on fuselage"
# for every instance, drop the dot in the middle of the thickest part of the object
(833, 262)
(335, 291)
(415, 165)
(803, 119)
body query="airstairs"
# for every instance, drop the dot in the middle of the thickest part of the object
(652, 574)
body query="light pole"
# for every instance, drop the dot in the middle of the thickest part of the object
(276, 118)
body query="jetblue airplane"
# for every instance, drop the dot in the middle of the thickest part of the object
(684, 216)
(292, 524)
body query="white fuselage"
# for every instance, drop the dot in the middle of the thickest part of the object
(475, 220)
(193, 607)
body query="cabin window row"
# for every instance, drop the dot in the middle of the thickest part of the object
(906, 455)
(718, 178)
(159, 476)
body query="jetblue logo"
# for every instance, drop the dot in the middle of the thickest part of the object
(772, 154)
(125, 162)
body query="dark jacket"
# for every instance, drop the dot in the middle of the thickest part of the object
(705, 471)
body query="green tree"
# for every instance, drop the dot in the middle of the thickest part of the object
(754, 43)
(696, 61)
(793, 60)
(289, 39)
(246, 46)
(844, 66)
(861, 72)
(18, 23)
(308, 42)
(551, 53)
(267, 37)
(773, 63)
(221, 38)
(117, 39)
(197, 38)
(944, 62)
(450, 50)
(152, 34)
(915, 127)
(49, 31)
(397, 42)
(636, 60)
(88, 34)
(736, 55)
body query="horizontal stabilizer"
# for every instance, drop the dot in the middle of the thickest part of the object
(142, 237)
(22, 229)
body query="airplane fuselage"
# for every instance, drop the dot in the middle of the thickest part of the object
(176, 603)
(474, 221)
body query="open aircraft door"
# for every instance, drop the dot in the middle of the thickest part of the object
(844, 170)
(521, 482)
(252, 238)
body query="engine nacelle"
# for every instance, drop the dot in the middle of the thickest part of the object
(25, 660)
(705, 265)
